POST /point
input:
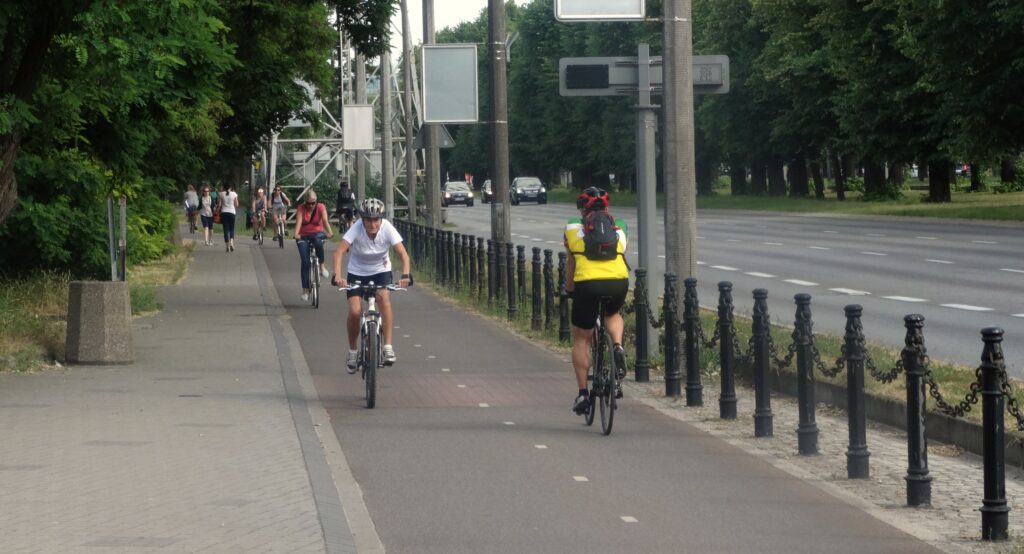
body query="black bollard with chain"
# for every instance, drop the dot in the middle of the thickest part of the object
(727, 398)
(563, 300)
(456, 258)
(919, 482)
(480, 268)
(510, 268)
(491, 271)
(535, 321)
(763, 426)
(442, 250)
(549, 285)
(994, 510)
(673, 375)
(807, 429)
(640, 307)
(691, 322)
(471, 262)
(857, 455)
(499, 271)
(521, 272)
(467, 260)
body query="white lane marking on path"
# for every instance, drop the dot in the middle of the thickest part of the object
(733, 240)
(418, 345)
(541, 446)
(926, 238)
(629, 519)
(905, 298)
(867, 253)
(538, 240)
(405, 336)
(851, 292)
(831, 232)
(461, 386)
(938, 261)
(875, 235)
(773, 243)
(819, 248)
(967, 307)
(1012, 270)
(509, 422)
(759, 274)
(801, 283)
(484, 405)
(701, 263)
(1018, 315)
(580, 479)
(662, 256)
(431, 357)
(984, 242)
(724, 267)
(445, 369)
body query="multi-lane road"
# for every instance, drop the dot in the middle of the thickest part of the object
(962, 276)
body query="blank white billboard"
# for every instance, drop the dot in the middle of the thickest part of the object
(599, 10)
(357, 127)
(450, 83)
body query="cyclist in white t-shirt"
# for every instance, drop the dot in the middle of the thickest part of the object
(369, 242)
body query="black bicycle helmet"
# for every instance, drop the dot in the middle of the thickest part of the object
(592, 199)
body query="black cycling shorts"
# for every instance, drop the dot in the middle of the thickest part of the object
(587, 294)
(383, 278)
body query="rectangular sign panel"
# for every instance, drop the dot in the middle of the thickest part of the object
(357, 127)
(599, 10)
(450, 83)
(610, 76)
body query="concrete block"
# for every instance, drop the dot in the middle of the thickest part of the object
(99, 323)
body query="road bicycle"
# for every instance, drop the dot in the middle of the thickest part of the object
(603, 375)
(193, 214)
(280, 229)
(371, 347)
(313, 271)
(259, 223)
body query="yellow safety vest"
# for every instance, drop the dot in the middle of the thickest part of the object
(591, 270)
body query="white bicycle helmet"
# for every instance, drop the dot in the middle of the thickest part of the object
(371, 207)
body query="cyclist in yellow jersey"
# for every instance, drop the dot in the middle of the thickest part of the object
(590, 276)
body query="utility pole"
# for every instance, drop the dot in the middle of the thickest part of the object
(387, 167)
(501, 220)
(432, 156)
(410, 152)
(680, 175)
(646, 182)
(361, 99)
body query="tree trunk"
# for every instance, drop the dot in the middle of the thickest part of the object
(922, 168)
(819, 181)
(896, 175)
(705, 174)
(758, 178)
(9, 146)
(776, 178)
(737, 177)
(975, 177)
(874, 178)
(938, 180)
(840, 172)
(799, 187)
(1008, 170)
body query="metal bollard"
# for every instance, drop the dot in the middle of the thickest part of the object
(446, 254)
(994, 510)
(727, 398)
(467, 259)
(470, 250)
(491, 271)
(480, 268)
(857, 455)
(521, 272)
(643, 362)
(439, 254)
(807, 430)
(691, 344)
(763, 426)
(673, 375)
(563, 300)
(535, 322)
(499, 271)
(456, 261)
(549, 285)
(919, 483)
(510, 260)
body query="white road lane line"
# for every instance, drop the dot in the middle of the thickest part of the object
(938, 261)
(550, 242)
(819, 248)
(580, 479)
(724, 268)
(701, 263)
(405, 336)
(509, 422)
(1017, 315)
(759, 274)
(831, 232)
(445, 369)
(851, 292)
(773, 243)
(629, 519)
(905, 298)
(733, 240)
(418, 345)
(484, 405)
(537, 240)
(967, 307)
(984, 242)
(801, 283)
(867, 253)
(875, 235)
(926, 238)
(541, 446)
(431, 357)
(662, 256)
(461, 386)
(1012, 270)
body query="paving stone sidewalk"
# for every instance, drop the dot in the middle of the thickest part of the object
(953, 523)
(201, 445)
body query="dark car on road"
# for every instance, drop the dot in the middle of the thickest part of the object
(486, 192)
(529, 189)
(456, 192)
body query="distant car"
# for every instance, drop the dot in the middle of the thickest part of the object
(527, 188)
(486, 194)
(456, 192)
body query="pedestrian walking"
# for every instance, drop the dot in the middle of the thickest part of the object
(206, 204)
(228, 202)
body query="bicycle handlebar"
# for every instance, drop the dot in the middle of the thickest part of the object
(371, 286)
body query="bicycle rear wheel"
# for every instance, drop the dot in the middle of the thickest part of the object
(371, 359)
(605, 369)
(592, 379)
(280, 235)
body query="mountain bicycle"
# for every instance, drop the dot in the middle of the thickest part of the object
(603, 374)
(371, 345)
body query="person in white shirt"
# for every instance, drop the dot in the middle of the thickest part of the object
(228, 202)
(369, 242)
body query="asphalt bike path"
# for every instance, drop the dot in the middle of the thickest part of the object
(473, 448)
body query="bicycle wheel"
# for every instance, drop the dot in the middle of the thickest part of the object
(314, 282)
(371, 359)
(280, 235)
(591, 378)
(605, 369)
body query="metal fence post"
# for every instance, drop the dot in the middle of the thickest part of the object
(763, 426)
(807, 430)
(640, 308)
(510, 268)
(563, 300)
(857, 455)
(535, 322)
(549, 285)
(994, 510)
(480, 267)
(919, 483)
(673, 375)
(521, 272)
(691, 321)
(727, 398)
(491, 271)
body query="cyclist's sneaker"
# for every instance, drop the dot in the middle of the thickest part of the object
(389, 354)
(324, 273)
(618, 390)
(581, 405)
(352, 362)
(620, 361)
(305, 297)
